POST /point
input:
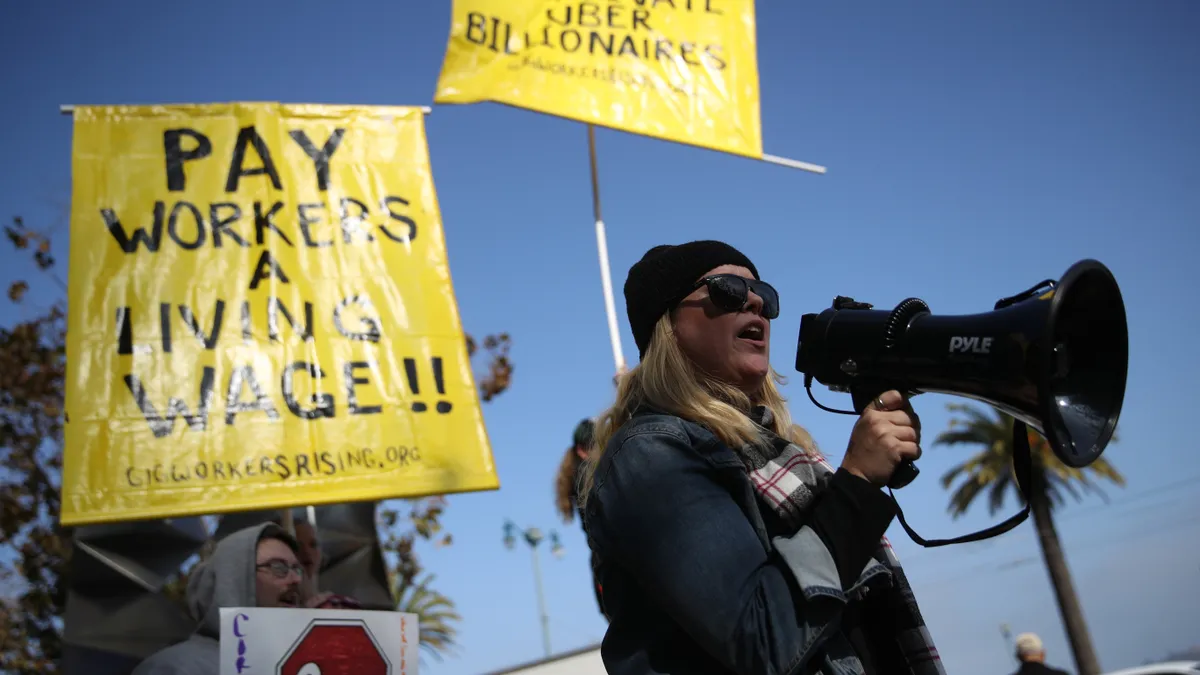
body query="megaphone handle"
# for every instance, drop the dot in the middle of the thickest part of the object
(906, 471)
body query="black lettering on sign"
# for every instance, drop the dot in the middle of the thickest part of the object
(370, 332)
(414, 385)
(247, 329)
(306, 220)
(162, 424)
(319, 157)
(351, 394)
(565, 20)
(129, 244)
(325, 463)
(476, 28)
(323, 404)
(714, 53)
(197, 220)
(210, 340)
(439, 381)
(164, 322)
(265, 221)
(281, 463)
(570, 40)
(302, 327)
(354, 224)
(589, 14)
(281, 466)
(188, 224)
(409, 224)
(612, 28)
(220, 224)
(302, 465)
(175, 154)
(248, 136)
(275, 307)
(402, 455)
(267, 268)
(241, 378)
(125, 333)
(496, 33)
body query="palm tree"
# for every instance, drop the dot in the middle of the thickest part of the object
(435, 612)
(992, 470)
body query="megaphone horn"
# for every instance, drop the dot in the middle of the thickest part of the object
(1055, 357)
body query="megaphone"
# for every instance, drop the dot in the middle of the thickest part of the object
(1054, 357)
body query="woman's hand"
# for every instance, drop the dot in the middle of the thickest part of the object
(887, 432)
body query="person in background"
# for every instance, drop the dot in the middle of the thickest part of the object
(566, 486)
(566, 483)
(311, 558)
(724, 541)
(253, 567)
(309, 554)
(1032, 655)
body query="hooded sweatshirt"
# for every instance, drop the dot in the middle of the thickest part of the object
(226, 579)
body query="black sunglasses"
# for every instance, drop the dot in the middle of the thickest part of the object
(729, 292)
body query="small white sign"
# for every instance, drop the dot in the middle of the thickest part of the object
(285, 641)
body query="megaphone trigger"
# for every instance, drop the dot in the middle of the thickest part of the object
(864, 397)
(906, 471)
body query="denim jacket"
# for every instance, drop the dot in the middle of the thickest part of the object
(693, 583)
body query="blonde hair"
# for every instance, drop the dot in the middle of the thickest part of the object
(668, 381)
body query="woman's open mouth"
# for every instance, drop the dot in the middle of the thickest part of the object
(754, 333)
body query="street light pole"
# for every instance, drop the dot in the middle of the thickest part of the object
(533, 537)
(541, 596)
(1007, 634)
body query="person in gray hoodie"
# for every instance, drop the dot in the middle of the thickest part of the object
(253, 567)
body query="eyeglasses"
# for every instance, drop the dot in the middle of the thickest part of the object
(280, 569)
(729, 292)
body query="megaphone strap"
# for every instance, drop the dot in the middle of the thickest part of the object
(1022, 467)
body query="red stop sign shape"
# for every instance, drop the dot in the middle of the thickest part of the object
(335, 647)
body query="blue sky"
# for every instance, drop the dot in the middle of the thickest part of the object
(973, 149)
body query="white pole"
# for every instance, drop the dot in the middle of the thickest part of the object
(541, 598)
(793, 163)
(610, 305)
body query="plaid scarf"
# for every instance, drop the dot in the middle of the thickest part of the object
(788, 478)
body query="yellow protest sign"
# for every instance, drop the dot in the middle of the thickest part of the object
(680, 70)
(260, 314)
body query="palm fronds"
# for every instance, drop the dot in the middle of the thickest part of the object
(991, 470)
(436, 614)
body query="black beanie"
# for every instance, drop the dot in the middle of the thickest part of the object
(665, 275)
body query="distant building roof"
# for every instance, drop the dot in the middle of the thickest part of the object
(581, 661)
